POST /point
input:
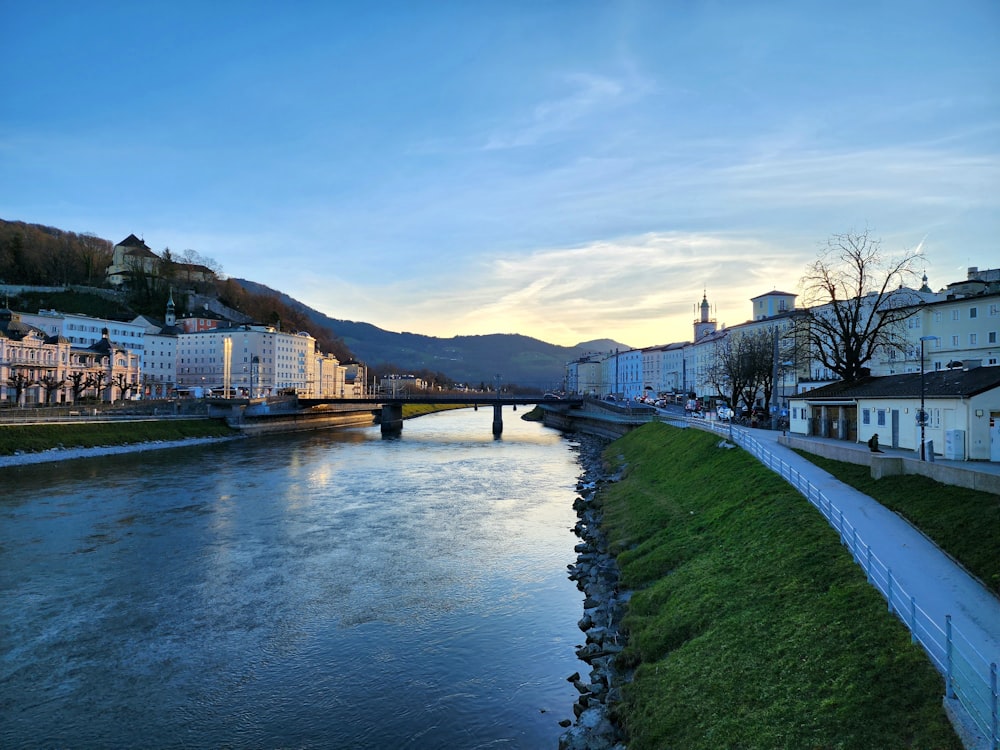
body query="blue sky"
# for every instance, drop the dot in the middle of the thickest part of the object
(566, 170)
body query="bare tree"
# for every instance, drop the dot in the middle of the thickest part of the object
(95, 257)
(51, 384)
(20, 381)
(727, 373)
(744, 366)
(123, 384)
(853, 294)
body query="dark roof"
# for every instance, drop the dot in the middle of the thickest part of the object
(773, 292)
(16, 330)
(937, 384)
(132, 241)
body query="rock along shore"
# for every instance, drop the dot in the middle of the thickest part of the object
(596, 574)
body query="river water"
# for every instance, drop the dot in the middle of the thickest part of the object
(328, 590)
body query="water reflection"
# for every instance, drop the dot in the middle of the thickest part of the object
(326, 590)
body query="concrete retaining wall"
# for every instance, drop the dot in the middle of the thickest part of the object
(885, 464)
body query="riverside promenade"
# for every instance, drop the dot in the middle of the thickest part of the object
(949, 612)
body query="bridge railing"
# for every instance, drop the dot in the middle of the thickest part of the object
(969, 677)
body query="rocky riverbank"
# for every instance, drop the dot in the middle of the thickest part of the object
(596, 574)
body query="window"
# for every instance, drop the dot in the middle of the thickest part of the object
(954, 314)
(973, 312)
(866, 416)
(973, 339)
(937, 317)
(954, 340)
(880, 413)
(991, 337)
(994, 310)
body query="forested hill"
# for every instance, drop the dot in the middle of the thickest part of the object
(37, 255)
(469, 359)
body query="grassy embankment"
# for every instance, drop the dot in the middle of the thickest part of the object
(419, 410)
(750, 625)
(39, 437)
(965, 523)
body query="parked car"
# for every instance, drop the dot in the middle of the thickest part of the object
(723, 411)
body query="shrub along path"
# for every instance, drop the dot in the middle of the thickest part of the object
(750, 625)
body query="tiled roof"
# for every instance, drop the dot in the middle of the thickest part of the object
(938, 383)
(132, 241)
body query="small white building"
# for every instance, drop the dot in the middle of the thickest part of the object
(584, 376)
(962, 412)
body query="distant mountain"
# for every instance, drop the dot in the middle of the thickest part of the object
(470, 359)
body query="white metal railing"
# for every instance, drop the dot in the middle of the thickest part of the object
(968, 675)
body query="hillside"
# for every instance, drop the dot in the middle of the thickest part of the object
(32, 254)
(470, 359)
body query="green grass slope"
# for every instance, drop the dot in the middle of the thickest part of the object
(40, 437)
(750, 626)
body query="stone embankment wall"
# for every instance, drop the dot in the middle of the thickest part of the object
(596, 575)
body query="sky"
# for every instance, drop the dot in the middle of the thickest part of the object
(568, 170)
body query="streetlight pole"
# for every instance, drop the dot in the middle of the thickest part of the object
(922, 416)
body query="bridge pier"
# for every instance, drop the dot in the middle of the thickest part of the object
(392, 419)
(497, 420)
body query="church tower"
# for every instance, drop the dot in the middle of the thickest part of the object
(705, 324)
(171, 318)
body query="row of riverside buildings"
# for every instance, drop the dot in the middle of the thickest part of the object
(942, 385)
(62, 358)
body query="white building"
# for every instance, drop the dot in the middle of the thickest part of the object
(961, 327)
(159, 355)
(85, 330)
(962, 408)
(584, 376)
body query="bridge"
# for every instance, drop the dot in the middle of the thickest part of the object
(392, 405)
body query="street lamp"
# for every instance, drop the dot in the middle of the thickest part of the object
(922, 414)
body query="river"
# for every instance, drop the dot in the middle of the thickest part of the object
(326, 590)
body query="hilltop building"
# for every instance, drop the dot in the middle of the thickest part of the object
(131, 258)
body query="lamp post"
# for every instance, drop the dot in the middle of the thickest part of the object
(922, 415)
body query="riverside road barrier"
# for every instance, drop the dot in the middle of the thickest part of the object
(969, 677)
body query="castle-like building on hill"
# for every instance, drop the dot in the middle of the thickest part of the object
(132, 257)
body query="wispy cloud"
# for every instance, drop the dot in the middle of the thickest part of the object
(640, 290)
(587, 94)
